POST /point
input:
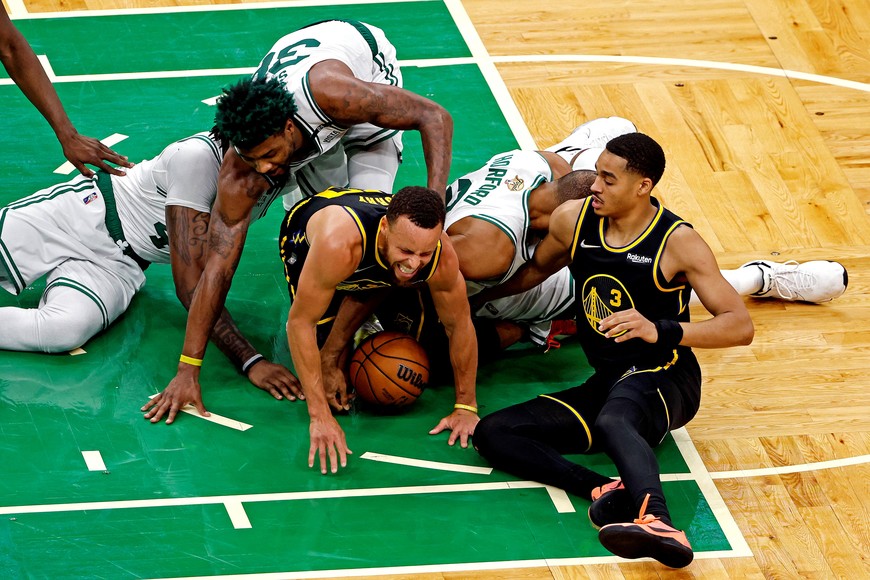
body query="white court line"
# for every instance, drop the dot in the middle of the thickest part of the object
(490, 73)
(214, 418)
(560, 499)
(67, 167)
(425, 464)
(739, 546)
(237, 514)
(17, 9)
(204, 8)
(832, 464)
(268, 497)
(94, 460)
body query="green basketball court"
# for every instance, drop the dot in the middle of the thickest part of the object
(91, 489)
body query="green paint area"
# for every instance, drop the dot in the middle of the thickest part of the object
(53, 407)
(221, 39)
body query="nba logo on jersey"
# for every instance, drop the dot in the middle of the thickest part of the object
(89, 198)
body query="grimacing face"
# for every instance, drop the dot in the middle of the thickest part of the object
(407, 248)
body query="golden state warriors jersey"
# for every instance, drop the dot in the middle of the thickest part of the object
(366, 207)
(609, 279)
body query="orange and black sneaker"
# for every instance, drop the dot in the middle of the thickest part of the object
(648, 537)
(611, 504)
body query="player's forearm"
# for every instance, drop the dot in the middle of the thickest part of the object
(722, 331)
(437, 137)
(26, 71)
(230, 340)
(205, 309)
(302, 339)
(463, 357)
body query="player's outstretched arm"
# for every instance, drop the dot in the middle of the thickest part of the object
(551, 255)
(335, 252)
(228, 227)
(351, 101)
(24, 69)
(188, 239)
(448, 293)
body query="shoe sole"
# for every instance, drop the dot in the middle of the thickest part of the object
(633, 543)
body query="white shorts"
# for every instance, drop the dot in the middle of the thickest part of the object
(61, 231)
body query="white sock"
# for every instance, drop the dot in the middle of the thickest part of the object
(745, 280)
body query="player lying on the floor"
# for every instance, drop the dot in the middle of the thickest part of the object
(94, 237)
(496, 216)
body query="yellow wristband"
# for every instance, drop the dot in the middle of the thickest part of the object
(465, 407)
(189, 360)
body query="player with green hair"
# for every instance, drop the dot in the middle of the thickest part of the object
(339, 124)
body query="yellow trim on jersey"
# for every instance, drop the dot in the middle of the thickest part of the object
(362, 230)
(433, 263)
(659, 253)
(377, 251)
(664, 367)
(575, 241)
(422, 316)
(576, 414)
(637, 240)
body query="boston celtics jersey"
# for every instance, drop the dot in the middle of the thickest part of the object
(498, 193)
(362, 47)
(185, 173)
(611, 279)
(366, 207)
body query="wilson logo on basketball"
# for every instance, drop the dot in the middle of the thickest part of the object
(409, 376)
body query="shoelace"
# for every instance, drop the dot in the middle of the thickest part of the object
(790, 283)
(643, 517)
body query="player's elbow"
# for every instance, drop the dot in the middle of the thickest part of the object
(745, 331)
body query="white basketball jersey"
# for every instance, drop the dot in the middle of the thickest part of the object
(362, 47)
(185, 173)
(498, 193)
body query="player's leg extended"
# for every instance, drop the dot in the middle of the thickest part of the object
(80, 300)
(640, 410)
(530, 439)
(815, 281)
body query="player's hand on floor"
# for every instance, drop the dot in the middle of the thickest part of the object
(327, 441)
(183, 389)
(275, 379)
(461, 423)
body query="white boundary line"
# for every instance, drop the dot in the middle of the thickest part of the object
(711, 494)
(394, 459)
(489, 71)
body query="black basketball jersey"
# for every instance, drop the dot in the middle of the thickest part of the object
(366, 207)
(609, 279)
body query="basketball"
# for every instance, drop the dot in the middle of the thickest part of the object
(389, 369)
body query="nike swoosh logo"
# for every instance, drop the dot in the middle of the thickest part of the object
(583, 244)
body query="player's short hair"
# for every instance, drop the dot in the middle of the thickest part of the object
(252, 110)
(642, 154)
(421, 205)
(223, 142)
(574, 185)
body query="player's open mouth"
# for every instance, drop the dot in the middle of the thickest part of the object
(405, 270)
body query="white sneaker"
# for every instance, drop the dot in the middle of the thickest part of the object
(816, 281)
(594, 133)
